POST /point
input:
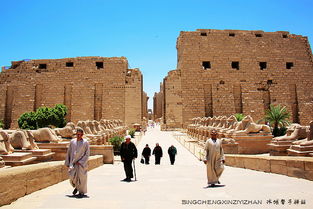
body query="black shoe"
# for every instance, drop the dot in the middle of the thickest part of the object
(128, 180)
(212, 185)
(218, 182)
(80, 195)
(125, 179)
(75, 191)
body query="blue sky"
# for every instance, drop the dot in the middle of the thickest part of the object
(143, 31)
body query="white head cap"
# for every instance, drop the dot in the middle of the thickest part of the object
(128, 137)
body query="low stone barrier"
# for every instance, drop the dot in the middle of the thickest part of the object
(60, 150)
(105, 150)
(17, 182)
(300, 167)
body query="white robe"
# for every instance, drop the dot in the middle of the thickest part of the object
(214, 155)
(78, 151)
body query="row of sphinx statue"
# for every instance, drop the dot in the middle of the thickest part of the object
(297, 135)
(227, 127)
(97, 133)
(298, 141)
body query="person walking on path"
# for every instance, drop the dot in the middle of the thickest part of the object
(214, 158)
(146, 153)
(128, 152)
(158, 153)
(76, 160)
(172, 151)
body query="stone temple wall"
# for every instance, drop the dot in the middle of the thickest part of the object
(223, 72)
(172, 116)
(158, 103)
(145, 99)
(91, 87)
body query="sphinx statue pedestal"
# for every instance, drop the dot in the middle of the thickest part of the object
(105, 150)
(42, 155)
(279, 148)
(253, 144)
(229, 146)
(60, 149)
(280, 144)
(18, 158)
(2, 163)
(303, 147)
(298, 150)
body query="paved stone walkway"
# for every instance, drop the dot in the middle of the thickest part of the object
(173, 186)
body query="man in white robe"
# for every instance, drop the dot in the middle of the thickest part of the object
(214, 158)
(77, 160)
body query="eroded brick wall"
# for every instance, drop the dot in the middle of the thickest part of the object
(158, 103)
(145, 99)
(173, 106)
(133, 97)
(91, 87)
(223, 72)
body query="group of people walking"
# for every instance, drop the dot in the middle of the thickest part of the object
(128, 152)
(78, 153)
(158, 153)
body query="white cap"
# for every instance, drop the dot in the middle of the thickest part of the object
(128, 137)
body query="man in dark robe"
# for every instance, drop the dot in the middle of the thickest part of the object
(172, 151)
(146, 153)
(158, 153)
(128, 153)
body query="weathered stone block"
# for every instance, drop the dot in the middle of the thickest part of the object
(64, 173)
(105, 150)
(250, 163)
(230, 148)
(308, 175)
(264, 165)
(279, 169)
(11, 192)
(295, 172)
(41, 176)
(295, 164)
(230, 161)
(308, 165)
(278, 166)
(277, 161)
(240, 162)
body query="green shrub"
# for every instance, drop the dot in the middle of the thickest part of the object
(27, 121)
(239, 116)
(60, 111)
(131, 132)
(116, 142)
(44, 117)
(277, 117)
(1, 124)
